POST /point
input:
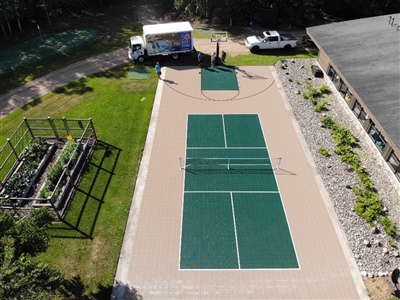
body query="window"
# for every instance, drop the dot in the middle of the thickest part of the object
(377, 137)
(273, 39)
(332, 74)
(394, 164)
(359, 112)
(343, 89)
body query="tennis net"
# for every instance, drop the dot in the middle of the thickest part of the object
(207, 163)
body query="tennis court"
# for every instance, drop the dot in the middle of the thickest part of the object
(233, 216)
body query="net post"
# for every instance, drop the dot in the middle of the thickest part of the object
(181, 166)
(279, 163)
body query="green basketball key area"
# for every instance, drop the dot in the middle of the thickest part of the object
(233, 215)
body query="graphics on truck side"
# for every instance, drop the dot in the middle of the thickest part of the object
(162, 39)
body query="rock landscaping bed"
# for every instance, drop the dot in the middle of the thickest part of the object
(376, 253)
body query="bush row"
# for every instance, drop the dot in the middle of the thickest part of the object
(368, 204)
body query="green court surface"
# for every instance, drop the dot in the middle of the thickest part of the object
(43, 47)
(219, 78)
(138, 73)
(224, 131)
(233, 216)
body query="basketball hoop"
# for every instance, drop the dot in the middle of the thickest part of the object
(219, 36)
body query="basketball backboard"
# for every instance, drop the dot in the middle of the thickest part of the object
(219, 36)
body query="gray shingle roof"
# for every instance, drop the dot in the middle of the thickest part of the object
(367, 53)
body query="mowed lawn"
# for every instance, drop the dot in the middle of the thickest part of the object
(120, 109)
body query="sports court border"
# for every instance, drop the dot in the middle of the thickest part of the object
(155, 283)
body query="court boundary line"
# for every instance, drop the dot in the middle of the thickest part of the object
(234, 227)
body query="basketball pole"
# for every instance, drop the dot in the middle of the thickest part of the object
(217, 54)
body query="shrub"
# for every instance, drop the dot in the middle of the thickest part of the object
(328, 122)
(312, 92)
(323, 152)
(388, 225)
(324, 89)
(366, 181)
(368, 206)
(321, 106)
(343, 136)
(341, 150)
(350, 158)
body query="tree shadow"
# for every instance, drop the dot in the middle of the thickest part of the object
(89, 195)
(283, 52)
(78, 87)
(122, 291)
(74, 289)
(116, 73)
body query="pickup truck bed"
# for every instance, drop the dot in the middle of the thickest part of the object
(288, 37)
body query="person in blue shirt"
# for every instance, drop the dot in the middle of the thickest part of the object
(158, 70)
(200, 59)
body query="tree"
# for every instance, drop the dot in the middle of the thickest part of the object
(20, 240)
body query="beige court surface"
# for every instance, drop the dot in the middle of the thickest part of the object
(149, 260)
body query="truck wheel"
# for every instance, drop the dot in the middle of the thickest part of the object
(175, 56)
(255, 49)
(140, 59)
(287, 47)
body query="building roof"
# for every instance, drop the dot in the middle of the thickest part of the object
(167, 28)
(367, 53)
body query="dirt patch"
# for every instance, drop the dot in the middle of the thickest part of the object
(380, 288)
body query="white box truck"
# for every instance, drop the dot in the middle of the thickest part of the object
(162, 39)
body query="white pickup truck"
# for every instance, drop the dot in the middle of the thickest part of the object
(271, 40)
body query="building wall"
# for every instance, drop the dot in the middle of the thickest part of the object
(380, 138)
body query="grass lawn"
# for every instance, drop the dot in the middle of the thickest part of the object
(120, 109)
(267, 58)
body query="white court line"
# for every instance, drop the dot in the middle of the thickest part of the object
(234, 227)
(223, 127)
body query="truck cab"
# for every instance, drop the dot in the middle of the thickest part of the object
(137, 51)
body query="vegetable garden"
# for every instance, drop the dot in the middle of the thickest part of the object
(42, 162)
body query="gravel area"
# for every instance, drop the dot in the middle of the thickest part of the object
(375, 253)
